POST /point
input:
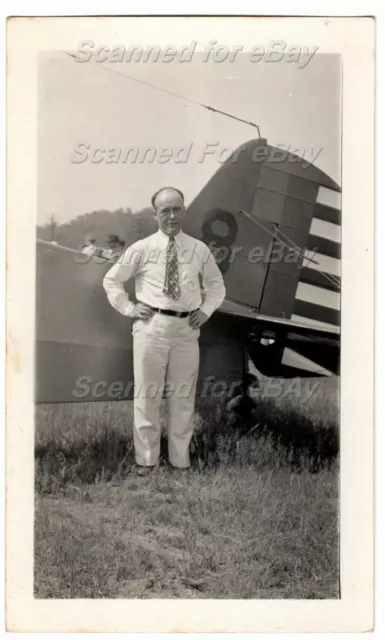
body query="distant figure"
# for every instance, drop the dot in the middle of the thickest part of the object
(89, 247)
(115, 247)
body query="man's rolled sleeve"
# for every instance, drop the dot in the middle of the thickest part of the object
(125, 269)
(213, 285)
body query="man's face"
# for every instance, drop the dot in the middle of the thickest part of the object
(169, 211)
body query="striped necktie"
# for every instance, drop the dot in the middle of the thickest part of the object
(171, 287)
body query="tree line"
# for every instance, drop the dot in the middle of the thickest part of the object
(129, 226)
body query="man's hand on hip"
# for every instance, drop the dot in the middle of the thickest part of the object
(142, 311)
(197, 318)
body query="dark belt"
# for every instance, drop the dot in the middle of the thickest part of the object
(170, 312)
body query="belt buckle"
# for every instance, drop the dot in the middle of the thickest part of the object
(178, 314)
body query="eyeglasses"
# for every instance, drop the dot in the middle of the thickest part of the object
(165, 213)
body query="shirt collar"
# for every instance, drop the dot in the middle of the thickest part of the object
(165, 238)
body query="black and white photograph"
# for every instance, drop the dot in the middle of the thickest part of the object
(187, 315)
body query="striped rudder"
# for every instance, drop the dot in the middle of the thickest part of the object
(317, 297)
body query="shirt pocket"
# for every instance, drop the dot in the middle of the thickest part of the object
(189, 283)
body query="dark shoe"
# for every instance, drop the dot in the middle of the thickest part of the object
(143, 471)
(180, 470)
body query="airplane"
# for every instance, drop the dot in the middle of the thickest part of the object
(276, 241)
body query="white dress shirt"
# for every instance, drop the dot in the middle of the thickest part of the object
(146, 261)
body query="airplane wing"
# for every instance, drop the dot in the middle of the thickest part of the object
(286, 347)
(84, 348)
(294, 329)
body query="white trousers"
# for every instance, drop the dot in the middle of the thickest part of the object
(166, 361)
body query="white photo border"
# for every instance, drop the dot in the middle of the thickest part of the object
(353, 38)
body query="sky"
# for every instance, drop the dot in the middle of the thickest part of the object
(90, 104)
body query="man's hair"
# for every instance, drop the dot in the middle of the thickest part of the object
(154, 197)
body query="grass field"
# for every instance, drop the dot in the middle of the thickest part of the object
(256, 516)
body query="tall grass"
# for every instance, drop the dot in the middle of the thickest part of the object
(256, 516)
(88, 441)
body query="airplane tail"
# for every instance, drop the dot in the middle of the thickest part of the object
(273, 222)
(277, 243)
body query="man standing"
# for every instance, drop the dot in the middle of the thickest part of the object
(115, 248)
(167, 318)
